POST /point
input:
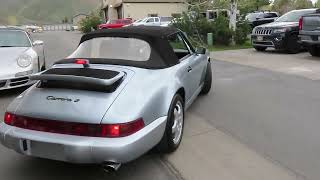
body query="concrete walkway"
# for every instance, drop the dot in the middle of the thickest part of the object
(207, 153)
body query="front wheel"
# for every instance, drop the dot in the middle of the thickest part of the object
(259, 48)
(174, 128)
(293, 46)
(207, 81)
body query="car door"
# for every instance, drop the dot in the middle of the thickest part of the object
(190, 71)
(198, 64)
(150, 22)
(156, 21)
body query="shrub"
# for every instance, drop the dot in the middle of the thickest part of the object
(197, 27)
(242, 31)
(92, 21)
(223, 34)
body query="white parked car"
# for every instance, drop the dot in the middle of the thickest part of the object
(20, 58)
(154, 21)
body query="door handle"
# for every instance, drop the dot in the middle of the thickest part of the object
(189, 69)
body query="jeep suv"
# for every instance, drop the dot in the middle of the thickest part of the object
(281, 34)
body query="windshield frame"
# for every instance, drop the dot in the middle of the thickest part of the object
(30, 44)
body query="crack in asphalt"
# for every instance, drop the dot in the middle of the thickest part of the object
(171, 168)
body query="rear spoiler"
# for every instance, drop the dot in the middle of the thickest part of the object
(78, 79)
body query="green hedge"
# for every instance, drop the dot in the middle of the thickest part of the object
(197, 27)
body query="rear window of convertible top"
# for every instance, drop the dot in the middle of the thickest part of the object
(114, 48)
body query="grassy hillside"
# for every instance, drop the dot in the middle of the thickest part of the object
(43, 11)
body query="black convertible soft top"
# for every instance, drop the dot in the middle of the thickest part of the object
(162, 54)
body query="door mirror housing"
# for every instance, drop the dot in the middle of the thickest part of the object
(201, 50)
(37, 43)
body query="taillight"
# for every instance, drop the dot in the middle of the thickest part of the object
(122, 130)
(8, 118)
(77, 129)
(300, 23)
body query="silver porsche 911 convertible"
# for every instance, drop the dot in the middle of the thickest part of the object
(120, 94)
(20, 58)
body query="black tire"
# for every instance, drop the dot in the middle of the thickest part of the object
(207, 81)
(314, 51)
(259, 48)
(293, 46)
(167, 144)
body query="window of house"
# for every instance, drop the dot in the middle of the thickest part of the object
(211, 15)
(176, 15)
(153, 15)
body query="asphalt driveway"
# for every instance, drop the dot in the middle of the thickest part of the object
(302, 64)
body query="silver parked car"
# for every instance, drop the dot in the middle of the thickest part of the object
(120, 94)
(20, 58)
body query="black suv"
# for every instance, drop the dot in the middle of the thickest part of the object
(281, 34)
(259, 18)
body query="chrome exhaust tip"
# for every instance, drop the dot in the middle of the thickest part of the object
(110, 167)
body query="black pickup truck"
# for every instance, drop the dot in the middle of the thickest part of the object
(309, 34)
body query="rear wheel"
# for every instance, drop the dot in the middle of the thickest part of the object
(293, 46)
(314, 51)
(174, 128)
(259, 48)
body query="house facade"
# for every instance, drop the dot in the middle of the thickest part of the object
(138, 9)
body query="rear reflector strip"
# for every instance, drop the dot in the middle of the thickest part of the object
(77, 129)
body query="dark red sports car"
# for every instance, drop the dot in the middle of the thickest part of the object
(112, 24)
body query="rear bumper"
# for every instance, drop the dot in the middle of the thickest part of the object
(82, 150)
(308, 40)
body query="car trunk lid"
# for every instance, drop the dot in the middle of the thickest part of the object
(74, 98)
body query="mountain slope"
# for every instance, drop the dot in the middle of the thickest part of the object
(43, 11)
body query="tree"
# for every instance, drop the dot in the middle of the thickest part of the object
(283, 6)
(302, 4)
(247, 6)
(65, 20)
(90, 22)
(317, 5)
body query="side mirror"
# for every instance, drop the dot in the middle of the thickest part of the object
(37, 43)
(201, 50)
